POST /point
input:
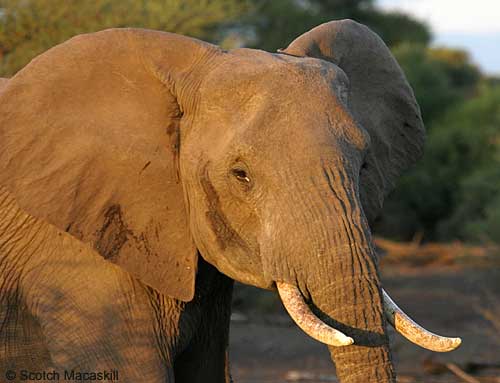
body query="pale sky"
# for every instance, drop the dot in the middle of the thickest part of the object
(470, 25)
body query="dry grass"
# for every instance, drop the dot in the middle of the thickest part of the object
(444, 254)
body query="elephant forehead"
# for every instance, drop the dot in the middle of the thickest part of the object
(246, 78)
(256, 95)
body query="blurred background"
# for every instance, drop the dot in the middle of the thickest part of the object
(439, 234)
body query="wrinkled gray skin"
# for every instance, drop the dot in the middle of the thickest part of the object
(155, 148)
(64, 307)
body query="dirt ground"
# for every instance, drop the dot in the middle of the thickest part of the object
(449, 300)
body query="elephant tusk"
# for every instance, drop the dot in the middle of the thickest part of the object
(403, 324)
(304, 318)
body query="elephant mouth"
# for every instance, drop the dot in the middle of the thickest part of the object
(302, 315)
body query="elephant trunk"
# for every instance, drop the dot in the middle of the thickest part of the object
(346, 293)
(333, 264)
(352, 303)
(327, 276)
(343, 291)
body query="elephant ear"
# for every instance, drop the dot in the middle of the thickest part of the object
(380, 99)
(89, 141)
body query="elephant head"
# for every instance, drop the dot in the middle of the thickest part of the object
(157, 148)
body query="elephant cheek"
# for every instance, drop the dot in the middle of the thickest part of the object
(233, 252)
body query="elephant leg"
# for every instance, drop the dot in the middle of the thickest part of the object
(205, 359)
(107, 329)
(91, 315)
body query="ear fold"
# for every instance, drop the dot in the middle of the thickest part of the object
(381, 100)
(89, 133)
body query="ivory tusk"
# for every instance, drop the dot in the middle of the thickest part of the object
(415, 333)
(304, 318)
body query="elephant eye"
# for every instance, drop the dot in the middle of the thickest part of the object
(241, 175)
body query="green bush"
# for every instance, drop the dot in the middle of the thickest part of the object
(454, 193)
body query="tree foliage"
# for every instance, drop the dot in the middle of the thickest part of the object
(29, 27)
(454, 193)
(467, 145)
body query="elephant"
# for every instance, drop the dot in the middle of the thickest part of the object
(151, 170)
